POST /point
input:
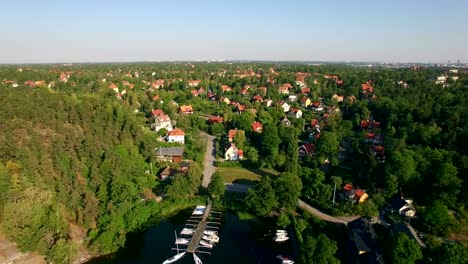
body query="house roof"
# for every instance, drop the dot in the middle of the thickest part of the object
(232, 133)
(305, 90)
(186, 108)
(348, 187)
(194, 92)
(168, 171)
(308, 147)
(314, 122)
(215, 119)
(240, 152)
(176, 132)
(257, 126)
(359, 193)
(397, 202)
(304, 100)
(157, 112)
(173, 151)
(366, 87)
(163, 118)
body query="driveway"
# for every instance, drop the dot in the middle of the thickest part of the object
(210, 157)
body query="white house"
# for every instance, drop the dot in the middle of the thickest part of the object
(232, 153)
(176, 135)
(295, 112)
(162, 121)
(285, 107)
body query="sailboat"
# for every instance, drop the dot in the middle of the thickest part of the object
(197, 259)
(175, 257)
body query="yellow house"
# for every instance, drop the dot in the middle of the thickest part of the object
(305, 102)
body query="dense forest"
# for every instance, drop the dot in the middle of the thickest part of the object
(77, 155)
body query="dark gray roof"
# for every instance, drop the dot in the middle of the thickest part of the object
(397, 202)
(174, 151)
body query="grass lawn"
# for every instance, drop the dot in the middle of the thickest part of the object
(238, 175)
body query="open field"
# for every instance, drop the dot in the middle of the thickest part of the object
(238, 175)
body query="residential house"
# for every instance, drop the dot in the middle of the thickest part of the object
(215, 119)
(157, 112)
(194, 92)
(263, 90)
(292, 98)
(317, 106)
(176, 135)
(232, 134)
(157, 84)
(338, 98)
(240, 108)
(114, 87)
(193, 83)
(244, 91)
(363, 243)
(305, 102)
(225, 100)
(173, 154)
(201, 91)
(186, 109)
(305, 90)
(226, 88)
(314, 123)
(284, 105)
(257, 98)
(167, 173)
(307, 149)
(369, 124)
(162, 121)
(354, 194)
(295, 112)
(378, 152)
(367, 88)
(268, 102)
(286, 121)
(403, 206)
(300, 80)
(257, 127)
(372, 138)
(441, 80)
(232, 153)
(352, 99)
(284, 89)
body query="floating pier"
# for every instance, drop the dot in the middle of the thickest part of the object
(197, 236)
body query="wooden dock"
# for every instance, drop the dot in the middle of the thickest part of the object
(197, 236)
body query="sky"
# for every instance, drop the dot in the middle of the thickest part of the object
(48, 31)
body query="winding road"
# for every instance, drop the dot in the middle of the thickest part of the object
(210, 157)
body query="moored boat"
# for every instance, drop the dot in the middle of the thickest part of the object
(285, 260)
(187, 231)
(197, 259)
(182, 241)
(174, 258)
(210, 232)
(206, 244)
(281, 237)
(211, 238)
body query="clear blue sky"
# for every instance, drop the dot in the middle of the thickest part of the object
(153, 30)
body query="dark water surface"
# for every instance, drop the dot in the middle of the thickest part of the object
(241, 241)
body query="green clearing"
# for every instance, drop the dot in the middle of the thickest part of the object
(238, 175)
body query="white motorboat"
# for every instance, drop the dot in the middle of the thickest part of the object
(182, 241)
(187, 231)
(211, 238)
(281, 237)
(174, 258)
(281, 231)
(285, 260)
(197, 259)
(200, 207)
(197, 212)
(206, 244)
(210, 232)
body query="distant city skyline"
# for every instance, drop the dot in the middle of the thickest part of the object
(296, 30)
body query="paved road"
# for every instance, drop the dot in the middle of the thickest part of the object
(314, 211)
(210, 157)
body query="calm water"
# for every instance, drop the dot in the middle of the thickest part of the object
(241, 241)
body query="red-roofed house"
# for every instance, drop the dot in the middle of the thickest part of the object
(314, 122)
(369, 124)
(257, 98)
(113, 86)
(215, 119)
(244, 91)
(317, 106)
(338, 98)
(367, 88)
(353, 194)
(176, 135)
(157, 112)
(284, 89)
(162, 121)
(232, 134)
(157, 84)
(300, 80)
(226, 88)
(240, 108)
(379, 153)
(257, 127)
(307, 149)
(194, 92)
(305, 90)
(186, 109)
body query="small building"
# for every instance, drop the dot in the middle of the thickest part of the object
(317, 106)
(232, 153)
(295, 112)
(354, 194)
(215, 119)
(369, 124)
(363, 243)
(194, 92)
(286, 121)
(292, 98)
(284, 105)
(193, 83)
(305, 102)
(173, 154)
(162, 121)
(338, 98)
(307, 149)
(167, 173)
(176, 135)
(232, 134)
(403, 206)
(367, 88)
(305, 90)
(268, 102)
(257, 127)
(186, 109)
